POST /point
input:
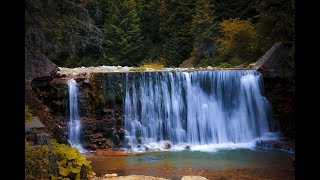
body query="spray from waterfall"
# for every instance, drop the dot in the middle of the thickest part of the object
(74, 124)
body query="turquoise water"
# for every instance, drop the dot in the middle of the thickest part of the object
(220, 160)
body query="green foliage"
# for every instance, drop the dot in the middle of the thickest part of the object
(59, 29)
(175, 30)
(276, 22)
(224, 65)
(71, 163)
(122, 34)
(126, 32)
(238, 39)
(27, 114)
(243, 9)
(36, 162)
(205, 29)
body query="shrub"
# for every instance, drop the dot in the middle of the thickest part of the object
(36, 162)
(225, 65)
(154, 65)
(238, 40)
(71, 163)
(27, 114)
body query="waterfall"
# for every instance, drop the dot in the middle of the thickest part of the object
(74, 124)
(195, 108)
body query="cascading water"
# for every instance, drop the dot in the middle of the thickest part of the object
(195, 108)
(74, 124)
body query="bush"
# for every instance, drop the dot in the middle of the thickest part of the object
(154, 65)
(71, 163)
(225, 65)
(27, 114)
(238, 39)
(36, 162)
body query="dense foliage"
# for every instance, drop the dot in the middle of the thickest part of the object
(237, 41)
(131, 32)
(58, 162)
(37, 162)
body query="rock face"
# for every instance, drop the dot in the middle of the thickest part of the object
(276, 62)
(100, 107)
(36, 132)
(39, 67)
(278, 70)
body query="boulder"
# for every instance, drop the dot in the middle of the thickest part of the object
(38, 66)
(35, 124)
(167, 145)
(276, 62)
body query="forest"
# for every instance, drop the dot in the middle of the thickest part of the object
(201, 33)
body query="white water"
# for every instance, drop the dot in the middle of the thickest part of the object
(74, 124)
(207, 110)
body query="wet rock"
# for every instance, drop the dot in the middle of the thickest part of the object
(167, 145)
(276, 145)
(187, 147)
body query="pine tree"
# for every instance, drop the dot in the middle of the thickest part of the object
(122, 34)
(175, 30)
(59, 29)
(205, 30)
(276, 22)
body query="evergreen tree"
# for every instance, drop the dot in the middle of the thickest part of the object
(150, 21)
(175, 29)
(276, 22)
(205, 30)
(59, 29)
(226, 9)
(122, 34)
